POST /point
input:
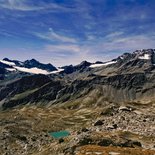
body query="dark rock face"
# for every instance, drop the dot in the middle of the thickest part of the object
(23, 84)
(68, 69)
(81, 67)
(44, 89)
(34, 63)
(2, 73)
(83, 64)
(120, 87)
(3, 66)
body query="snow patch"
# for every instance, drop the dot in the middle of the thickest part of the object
(36, 70)
(11, 69)
(145, 57)
(32, 70)
(104, 64)
(57, 71)
(121, 57)
(7, 63)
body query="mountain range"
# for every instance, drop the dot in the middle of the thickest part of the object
(104, 107)
(129, 77)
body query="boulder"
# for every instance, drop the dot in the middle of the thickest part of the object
(98, 123)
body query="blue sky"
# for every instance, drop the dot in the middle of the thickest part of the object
(66, 32)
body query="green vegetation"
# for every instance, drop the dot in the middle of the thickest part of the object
(24, 94)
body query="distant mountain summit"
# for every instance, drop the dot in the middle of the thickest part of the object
(145, 54)
(29, 66)
(139, 60)
(14, 62)
(80, 67)
(34, 63)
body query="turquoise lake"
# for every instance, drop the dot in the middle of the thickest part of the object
(59, 134)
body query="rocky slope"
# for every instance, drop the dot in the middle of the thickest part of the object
(130, 77)
(107, 104)
(26, 130)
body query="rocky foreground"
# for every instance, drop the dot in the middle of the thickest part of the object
(108, 129)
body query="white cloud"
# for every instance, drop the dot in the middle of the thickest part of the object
(63, 47)
(99, 50)
(53, 36)
(114, 34)
(91, 37)
(130, 43)
(18, 5)
(24, 5)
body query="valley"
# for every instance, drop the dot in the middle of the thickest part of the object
(93, 108)
(26, 130)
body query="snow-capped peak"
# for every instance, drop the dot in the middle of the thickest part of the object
(145, 57)
(102, 64)
(29, 66)
(7, 62)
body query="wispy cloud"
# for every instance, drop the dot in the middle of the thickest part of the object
(76, 30)
(53, 36)
(28, 5)
(102, 50)
(114, 34)
(63, 48)
(130, 43)
(18, 5)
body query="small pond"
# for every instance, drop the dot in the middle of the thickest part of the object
(59, 134)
